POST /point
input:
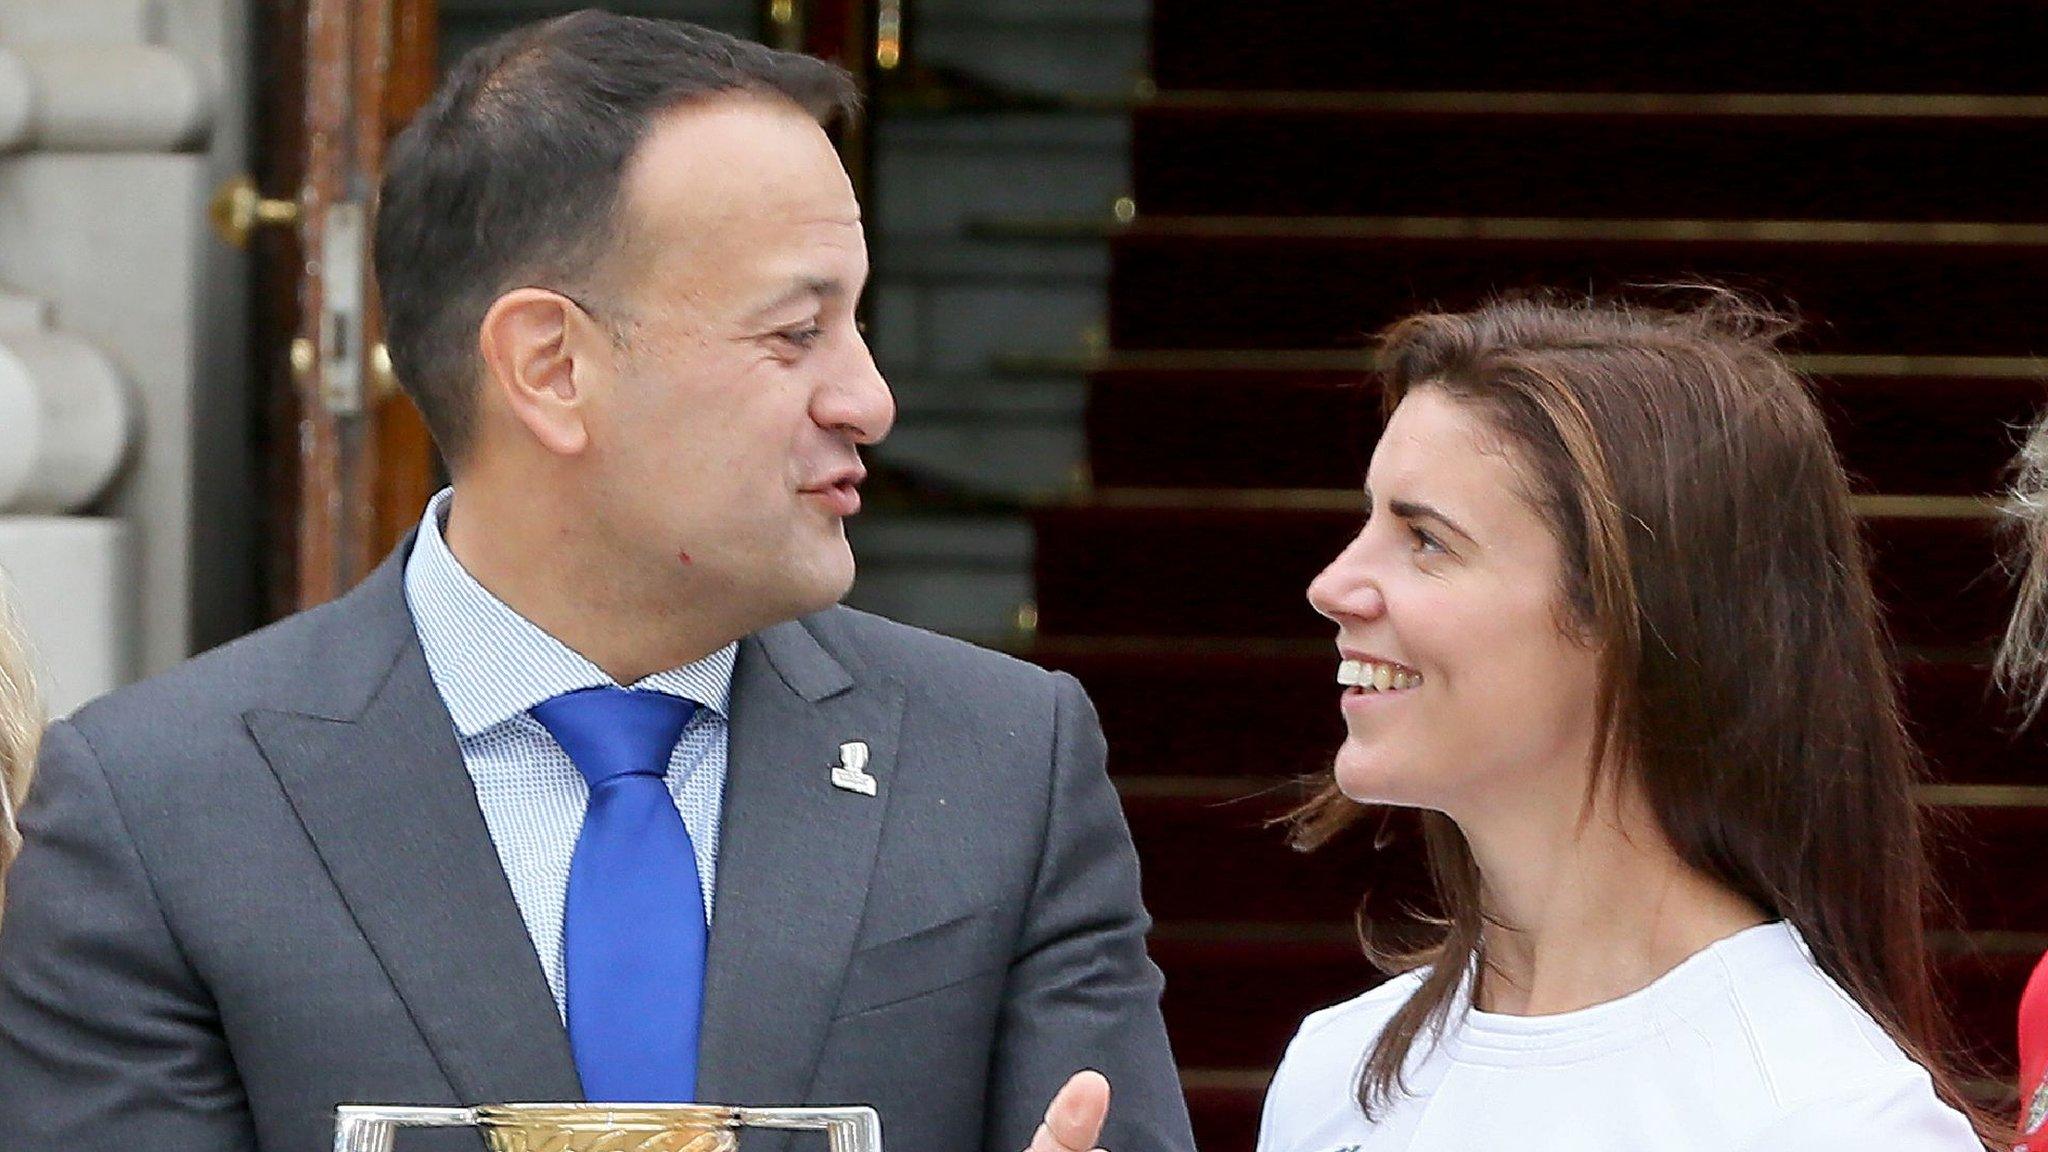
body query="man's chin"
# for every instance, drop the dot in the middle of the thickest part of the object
(823, 584)
(841, 585)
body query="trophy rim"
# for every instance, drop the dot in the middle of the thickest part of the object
(611, 1117)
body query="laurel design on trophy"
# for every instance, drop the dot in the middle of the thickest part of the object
(604, 1127)
(521, 1140)
(531, 1128)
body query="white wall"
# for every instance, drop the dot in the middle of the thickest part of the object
(117, 120)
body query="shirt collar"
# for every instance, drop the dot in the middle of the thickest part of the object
(492, 664)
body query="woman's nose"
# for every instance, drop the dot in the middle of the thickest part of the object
(1346, 588)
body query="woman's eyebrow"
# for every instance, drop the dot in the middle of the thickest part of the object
(1413, 510)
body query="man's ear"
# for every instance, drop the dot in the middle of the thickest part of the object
(537, 359)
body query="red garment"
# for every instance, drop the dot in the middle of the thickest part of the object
(2034, 1060)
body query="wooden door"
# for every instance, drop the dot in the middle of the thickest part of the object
(862, 36)
(349, 463)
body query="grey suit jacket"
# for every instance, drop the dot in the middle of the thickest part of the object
(260, 885)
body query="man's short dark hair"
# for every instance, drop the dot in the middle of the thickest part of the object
(511, 175)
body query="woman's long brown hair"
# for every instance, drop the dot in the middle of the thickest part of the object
(1710, 550)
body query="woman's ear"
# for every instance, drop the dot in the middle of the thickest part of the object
(537, 365)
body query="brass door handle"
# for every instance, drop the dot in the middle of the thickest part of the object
(383, 378)
(238, 209)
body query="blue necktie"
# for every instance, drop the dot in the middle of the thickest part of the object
(633, 926)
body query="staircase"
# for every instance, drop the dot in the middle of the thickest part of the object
(1004, 109)
(1307, 172)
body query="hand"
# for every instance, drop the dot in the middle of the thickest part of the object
(1074, 1121)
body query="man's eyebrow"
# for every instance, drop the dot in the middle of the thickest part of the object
(806, 288)
(1414, 510)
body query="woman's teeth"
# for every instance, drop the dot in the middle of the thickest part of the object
(1373, 676)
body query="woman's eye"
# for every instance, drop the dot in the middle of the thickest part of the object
(1424, 542)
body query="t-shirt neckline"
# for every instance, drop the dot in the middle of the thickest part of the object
(1502, 1038)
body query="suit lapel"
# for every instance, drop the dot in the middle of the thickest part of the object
(381, 790)
(795, 857)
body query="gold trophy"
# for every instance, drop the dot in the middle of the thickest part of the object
(605, 1127)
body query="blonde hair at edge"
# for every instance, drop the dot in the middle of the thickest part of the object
(21, 728)
(2022, 666)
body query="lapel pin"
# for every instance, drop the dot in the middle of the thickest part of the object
(851, 773)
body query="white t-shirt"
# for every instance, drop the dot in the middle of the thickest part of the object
(1745, 1047)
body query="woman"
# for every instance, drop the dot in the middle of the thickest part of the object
(21, 728)
(1608, 625)
(2022, 668)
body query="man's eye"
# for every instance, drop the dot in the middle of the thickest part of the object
(801, 337)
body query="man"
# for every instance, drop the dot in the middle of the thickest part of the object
(401, 848)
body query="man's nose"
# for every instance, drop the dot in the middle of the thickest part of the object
(858, 401)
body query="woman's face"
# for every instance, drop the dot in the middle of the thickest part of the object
(1464, 690)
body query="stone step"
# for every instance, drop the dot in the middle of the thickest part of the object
(965, 576)
(1011, 458)
(1041, 397)
(935, 175)
(1019, 439)
(1051, 47)
(946, 302)
(980, 258)
(949, 307)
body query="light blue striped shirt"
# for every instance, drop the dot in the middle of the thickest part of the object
(491, 665)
